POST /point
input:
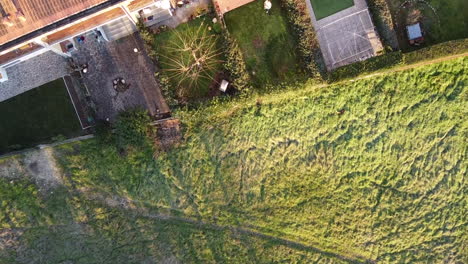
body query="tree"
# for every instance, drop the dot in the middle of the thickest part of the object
(191, 59)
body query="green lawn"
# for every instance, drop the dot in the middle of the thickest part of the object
(266, 41)
(324, 8)
(37, 115)
(173, 55)
(441, 20)
(384, 181)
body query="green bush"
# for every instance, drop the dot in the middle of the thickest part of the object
(393, 59)
(309, 50)
(133, 129)
(382, 18)
(373, 64)
(103, 132)
(147, 37)
(235, 65)
(437, 51)
(167, 89)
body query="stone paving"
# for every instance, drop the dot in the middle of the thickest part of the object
(117, 59)
(33, 73)
(347, 36)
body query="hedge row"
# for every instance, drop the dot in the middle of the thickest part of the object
(385, 61)
(309, 49)
(234, 64)
(382, 17)
(437, 51)
(393, 59)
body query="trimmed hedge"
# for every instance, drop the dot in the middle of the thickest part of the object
(388, 60)
(437, 51)
(309, 50)
(235, 65)
(393, 59)
(382, 17)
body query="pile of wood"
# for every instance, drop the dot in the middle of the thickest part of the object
(169, 133)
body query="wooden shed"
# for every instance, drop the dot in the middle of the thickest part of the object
(224, 6)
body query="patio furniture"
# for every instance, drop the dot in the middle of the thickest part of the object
(120, 85)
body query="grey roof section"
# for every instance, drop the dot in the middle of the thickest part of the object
(414, 31)
(33, 73)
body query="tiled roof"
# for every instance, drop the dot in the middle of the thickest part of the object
(137, 4)
(37, 14)
(84, 25)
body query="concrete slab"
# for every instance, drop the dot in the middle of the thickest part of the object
(347, 36)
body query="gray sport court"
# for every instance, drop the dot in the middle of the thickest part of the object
(347, 36)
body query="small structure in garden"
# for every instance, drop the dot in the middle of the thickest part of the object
(224, 6)
(223, 86)
(415, 34)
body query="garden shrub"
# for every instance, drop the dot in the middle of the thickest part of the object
(309, 50)
(103, 132)
(437, 51)
(133, 129)
(373, 64)
(235, 65)
(147, 37)
(382, 18)
(167, 89)
(394, 58)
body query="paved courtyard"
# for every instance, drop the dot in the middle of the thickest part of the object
(347, 36)
(110, 60)
(33, 73)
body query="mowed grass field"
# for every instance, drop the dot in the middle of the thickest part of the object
(266, 42)
(37, 115)
(382, 181)
(324, 8)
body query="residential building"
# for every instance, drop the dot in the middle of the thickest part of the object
(30, 28)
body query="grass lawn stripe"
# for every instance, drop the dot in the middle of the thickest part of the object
(37, 115)
(324, 8)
